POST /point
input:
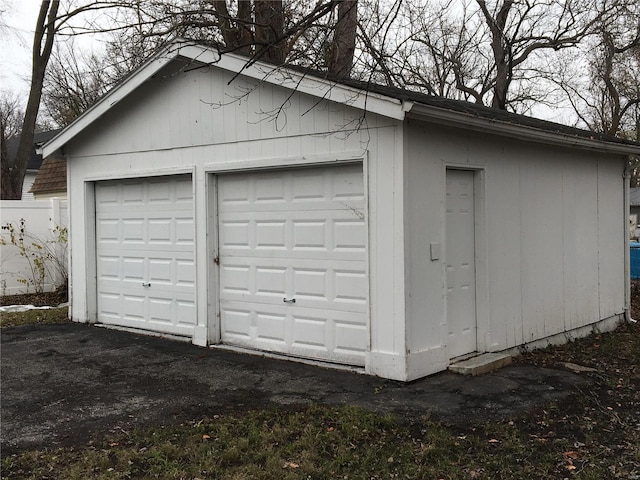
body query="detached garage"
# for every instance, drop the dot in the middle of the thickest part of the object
(346, 223)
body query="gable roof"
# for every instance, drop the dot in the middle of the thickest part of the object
(386, 101)
(52, 177)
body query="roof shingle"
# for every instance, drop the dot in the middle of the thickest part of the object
(52, 177)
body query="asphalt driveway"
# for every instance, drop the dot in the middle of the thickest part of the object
(63, 384)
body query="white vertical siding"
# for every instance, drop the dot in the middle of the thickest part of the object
(504, 216)
(541, 252)
(612, 227)
(554, 237)
(198, 123)
(550, 242)
(29, 178)
(424, 224)
(580, 204)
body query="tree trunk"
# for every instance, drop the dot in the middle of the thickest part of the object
(269, 30)
(340, 59)
(501, 52)
(5, 183)
(13, 172)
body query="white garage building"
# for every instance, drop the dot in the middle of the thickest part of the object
(281, 212)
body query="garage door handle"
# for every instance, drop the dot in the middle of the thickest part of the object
(290, 300)
(146, 284)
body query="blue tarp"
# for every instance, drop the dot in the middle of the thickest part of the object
(635, 259)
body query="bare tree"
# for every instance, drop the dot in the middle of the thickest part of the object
(446, 52)
(518, 29)
(10, 125)
(50, 22)
(603, 85)
(343, 47)
(13, 170)
(489, 51)
(10, 116)
(265, 30)
(74, 81)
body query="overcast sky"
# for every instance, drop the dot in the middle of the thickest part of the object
(16, 37)
(17, 26)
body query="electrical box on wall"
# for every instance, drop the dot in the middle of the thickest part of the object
(435, 251)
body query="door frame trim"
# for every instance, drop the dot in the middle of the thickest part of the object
(484, 342)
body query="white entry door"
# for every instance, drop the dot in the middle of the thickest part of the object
(460, 261)
(145, 254)
(293, 262)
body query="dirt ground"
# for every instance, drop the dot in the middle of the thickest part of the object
(43, 299)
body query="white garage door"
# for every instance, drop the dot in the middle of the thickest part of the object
(145, 254)
(293, 262)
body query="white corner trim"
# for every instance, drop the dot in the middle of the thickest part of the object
(426, 362)
(387, 365)
(200, 336)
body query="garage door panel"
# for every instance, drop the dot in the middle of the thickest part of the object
(148, 250)
(147, 209)
(141, 229)
(110, 304)
(343, 286)
(311, 232)
(295, 235)
(286, 186)
(160, 310)
(145, 254)
(134, 307)
(274, 257)
(333, 335)
(353, 206)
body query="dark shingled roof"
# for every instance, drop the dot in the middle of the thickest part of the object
(482, 111)
(52, 177)
(40, 138)
(461, 106)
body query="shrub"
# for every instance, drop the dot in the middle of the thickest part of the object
(47, 258)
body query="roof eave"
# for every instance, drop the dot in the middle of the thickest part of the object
(310, 84)
(523, 132)
(323, 89)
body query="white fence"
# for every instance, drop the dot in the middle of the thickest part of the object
(41, 218)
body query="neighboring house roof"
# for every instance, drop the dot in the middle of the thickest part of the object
(387, 101)
(40, 138)
(51, 178)
(634, 196)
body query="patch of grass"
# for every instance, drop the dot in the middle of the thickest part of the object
(318, 443)
(31, 317)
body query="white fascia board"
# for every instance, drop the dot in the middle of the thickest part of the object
(298, 81)
(523, 132)
(114, 96)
